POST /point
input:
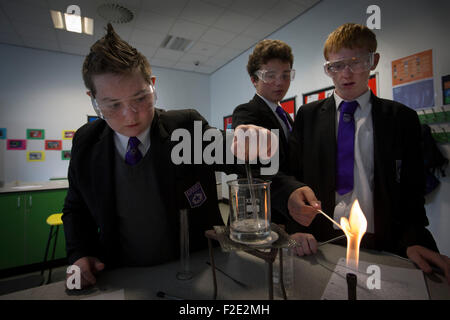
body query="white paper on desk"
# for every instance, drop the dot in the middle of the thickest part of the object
(396, 283)
(115, 295)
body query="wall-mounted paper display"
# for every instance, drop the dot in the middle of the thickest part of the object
(446, 89)
(412, 80)
(33, 156)
(2, 133)
(53, 144)
(289, 106)
(68, 134)
(65, 155)
(36, 134)
(227, 121)
(13, 144)
(92, 118)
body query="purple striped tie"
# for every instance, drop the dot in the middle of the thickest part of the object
(345, 147)
(133, 155)
(283, 117)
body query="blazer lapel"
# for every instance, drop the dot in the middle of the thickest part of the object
(160, 151)
(327, 145)
(103, 176)
(384, 190)
(272, 119)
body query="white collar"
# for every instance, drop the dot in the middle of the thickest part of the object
(144, 138)
(363, 100)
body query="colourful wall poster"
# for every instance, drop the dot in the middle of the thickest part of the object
(53, 144)
(68, 134)
(2, 133)
(416, 95)
(16, 144)
(289, 106)
(415, 67)
(33, 156)
(92, 118)
(446, 89)
(35, 134)
(65, 155)
(227, 121)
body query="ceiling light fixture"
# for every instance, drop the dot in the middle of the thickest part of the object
(115, 13)
(73, 21)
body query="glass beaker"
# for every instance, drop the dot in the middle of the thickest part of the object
(249, 210)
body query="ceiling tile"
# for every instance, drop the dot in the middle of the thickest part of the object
(5, 25)
(242, 42)
(217, 36)
(283, 12)
(154, 62)
(227, 53)
(20, 12)
(305, 3)
(150, 38)
(201, 12)
(253, 8)
(147, 20)
(205, 69)
(220, 3)
(260, 29)
(188, 30)
(35, 31)
(192, 58)
(147, 51)
(234, 22)
(214, 62)
(168, 54)
(170, 8)
(11, 38)
(220, 29)
(73, 38)
(204, 48)
(184, 66)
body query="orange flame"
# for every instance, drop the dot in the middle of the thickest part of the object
(354, 228)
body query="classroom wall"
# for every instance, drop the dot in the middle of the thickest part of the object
(407, 27)
(44, 90)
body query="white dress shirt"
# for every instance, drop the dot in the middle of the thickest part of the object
(121, 142)
(363, 171)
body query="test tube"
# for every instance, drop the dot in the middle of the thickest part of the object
(185, 272)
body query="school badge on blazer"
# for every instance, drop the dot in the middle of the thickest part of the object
(195, 195)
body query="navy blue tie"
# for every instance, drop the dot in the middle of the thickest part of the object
(345, 148)
(133, 155)
(283, 117)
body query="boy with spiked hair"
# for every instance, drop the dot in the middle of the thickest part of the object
(125, 193)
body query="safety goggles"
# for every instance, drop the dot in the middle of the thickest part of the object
(270, 77)
(141, 101)
(356, 64)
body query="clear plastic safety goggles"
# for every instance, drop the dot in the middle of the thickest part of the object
(356, 64)
(270, 77)
(143, 100)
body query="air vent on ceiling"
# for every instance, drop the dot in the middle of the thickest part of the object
(176, 43)
(115, 13)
